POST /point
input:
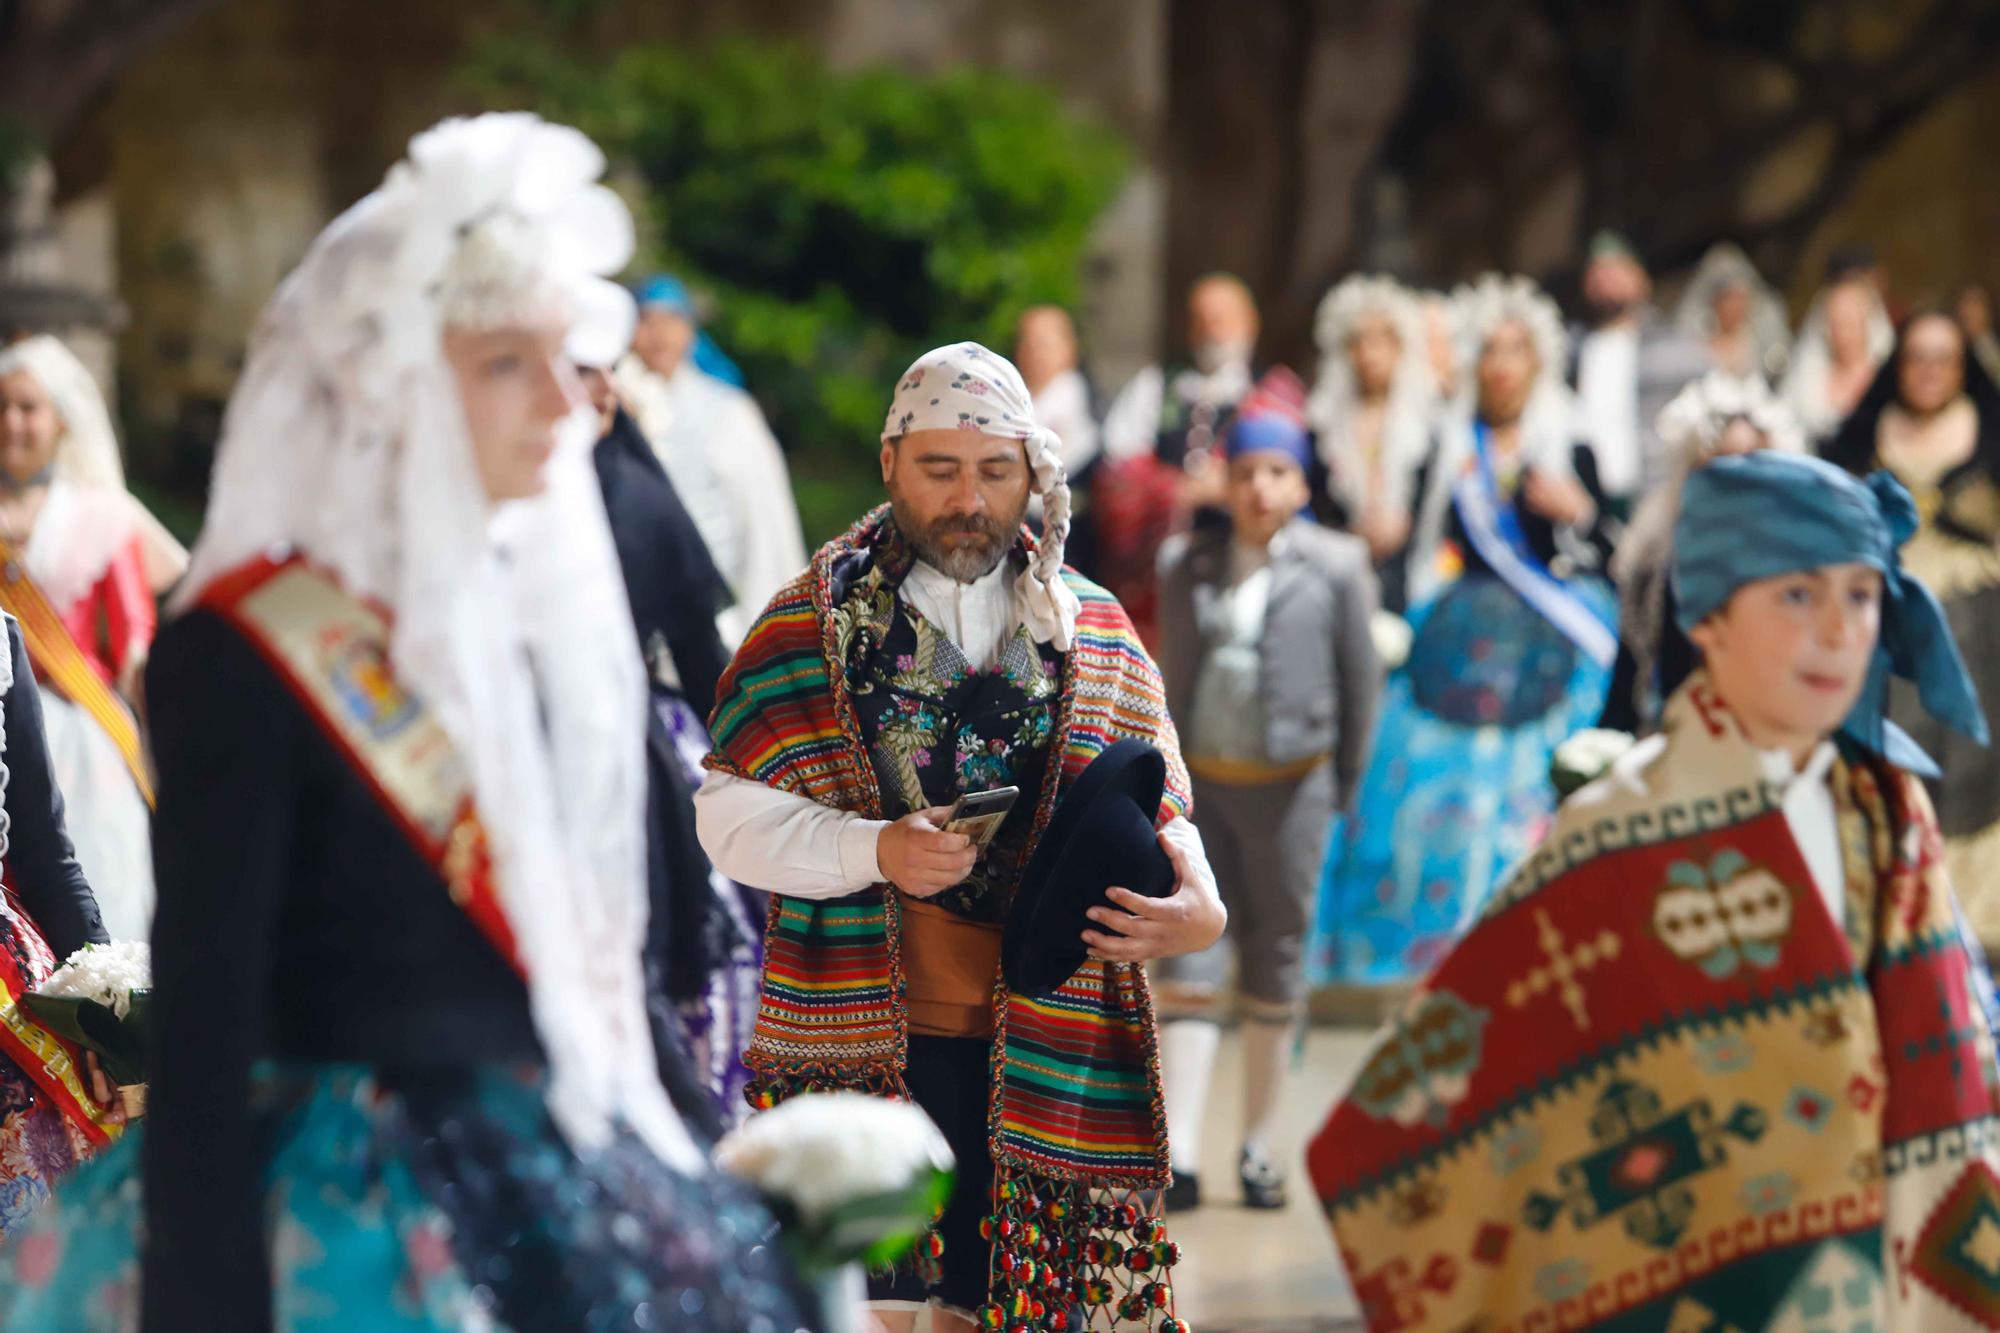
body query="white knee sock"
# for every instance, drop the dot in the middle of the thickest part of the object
(1267, 1058)
(1187, 1064)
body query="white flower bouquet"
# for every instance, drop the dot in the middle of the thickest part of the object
(852, 1178)
(1586, 757)
(100, 999)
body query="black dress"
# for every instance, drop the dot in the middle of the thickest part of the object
(312, 971)
(41, 864)
(48, 913)
(675, 592)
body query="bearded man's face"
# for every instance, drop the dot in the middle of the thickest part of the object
(959, 497)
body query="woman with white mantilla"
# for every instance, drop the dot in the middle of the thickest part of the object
(81, 561)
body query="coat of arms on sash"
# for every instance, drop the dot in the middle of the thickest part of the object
(359, 674)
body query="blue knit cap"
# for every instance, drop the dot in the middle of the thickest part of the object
(1762, 515)
(1268, 432)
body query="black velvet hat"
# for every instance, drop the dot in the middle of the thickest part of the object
(1100, 835)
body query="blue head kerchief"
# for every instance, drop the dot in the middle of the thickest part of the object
(664, 291)
(1762, 515)
(1268, 432)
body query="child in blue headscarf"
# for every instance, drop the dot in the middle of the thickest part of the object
(1727, 1012)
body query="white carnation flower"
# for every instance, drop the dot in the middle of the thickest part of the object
(1586, 757)
(106, 973)
(822, 1150)
(1392, 637)
(1593, 750)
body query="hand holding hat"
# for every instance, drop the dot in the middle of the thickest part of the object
(1102, 863)
(1136, 928)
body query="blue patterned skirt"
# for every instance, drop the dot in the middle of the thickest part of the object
(1458, 790)
(449, 1202)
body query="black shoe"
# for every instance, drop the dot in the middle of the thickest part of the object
(1184, 1193)
(1263, 1183)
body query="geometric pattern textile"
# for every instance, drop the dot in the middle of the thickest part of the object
(1657, 1085)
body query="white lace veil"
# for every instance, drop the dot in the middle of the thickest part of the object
(1804, 387)
(1412, 391)
(1725, 265)
(346, 440)
(1548, 434)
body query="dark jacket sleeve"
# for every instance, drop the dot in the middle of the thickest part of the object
(228, 739)
(1621, 705)
(46, 873)
(1605, 525)
(670, 579)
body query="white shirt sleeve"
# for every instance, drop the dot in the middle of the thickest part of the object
(1186, 838)
(783, 843)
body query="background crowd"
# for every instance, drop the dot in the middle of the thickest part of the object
(1392, 537)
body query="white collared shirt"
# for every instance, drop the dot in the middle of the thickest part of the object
(979, 617)
(1228, 717)
(1607, 387)
(1813, 820)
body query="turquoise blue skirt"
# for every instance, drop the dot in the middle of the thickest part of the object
(1457, 792)
(444, 1203)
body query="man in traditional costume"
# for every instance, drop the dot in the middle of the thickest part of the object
(1159, 461)
(934, 650)
(1715, 1058)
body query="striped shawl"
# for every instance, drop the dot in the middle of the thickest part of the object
(1076, 1103)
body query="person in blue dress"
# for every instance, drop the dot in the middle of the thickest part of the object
(1511, 652)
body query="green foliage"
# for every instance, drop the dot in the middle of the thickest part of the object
(839, 223)
(19, 146)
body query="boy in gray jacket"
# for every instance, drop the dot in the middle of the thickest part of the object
(1272, 675)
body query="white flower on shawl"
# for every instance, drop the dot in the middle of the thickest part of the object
(819, 1151)
(1392, 637)
(1586, 757)
(106, 973)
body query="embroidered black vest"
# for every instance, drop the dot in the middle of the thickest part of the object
(937, 729)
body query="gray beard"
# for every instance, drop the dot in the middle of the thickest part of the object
(965, 563)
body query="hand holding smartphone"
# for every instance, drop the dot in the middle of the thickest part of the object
(978, 815)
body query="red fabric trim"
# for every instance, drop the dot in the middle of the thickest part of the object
(224, 597)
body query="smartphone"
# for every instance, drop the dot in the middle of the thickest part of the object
(978, 815)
